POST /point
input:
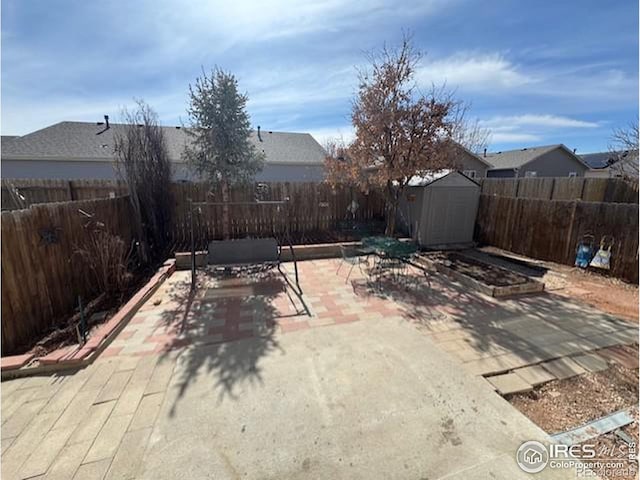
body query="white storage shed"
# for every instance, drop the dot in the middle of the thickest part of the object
(440, 209)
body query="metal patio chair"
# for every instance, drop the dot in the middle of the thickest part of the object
(354, 257)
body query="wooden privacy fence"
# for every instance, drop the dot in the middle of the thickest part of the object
(551, 229)
(35, 191)
(42, 275)
(614, 190)
(22, 193)
(312, 207)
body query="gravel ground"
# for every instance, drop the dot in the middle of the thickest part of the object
(561, 405)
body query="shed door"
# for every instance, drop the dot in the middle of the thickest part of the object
(451, 215)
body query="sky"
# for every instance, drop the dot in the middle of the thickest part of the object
(534, 72)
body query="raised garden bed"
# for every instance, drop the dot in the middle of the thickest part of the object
(488, 278)
(66, 354)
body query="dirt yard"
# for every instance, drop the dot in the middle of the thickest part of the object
(607, 294)
(562, 405)
(598, 290)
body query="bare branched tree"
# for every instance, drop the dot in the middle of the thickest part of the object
(467, 131)
(624, 151)
(143, 162)
(400, 131)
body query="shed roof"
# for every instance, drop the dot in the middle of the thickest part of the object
(93, 141)
(433, 177)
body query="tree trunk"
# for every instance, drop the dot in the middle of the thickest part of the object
(391, 220)
(143, 245)
(391, 208)
(225, 210)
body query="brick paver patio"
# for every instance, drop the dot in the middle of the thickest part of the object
(96, 423)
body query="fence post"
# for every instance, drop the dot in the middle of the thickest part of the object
(193, 248)
(71, 190)
(567, 248)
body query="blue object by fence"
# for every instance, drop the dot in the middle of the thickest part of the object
(584, 251)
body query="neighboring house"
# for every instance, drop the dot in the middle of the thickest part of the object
(547, 161)
(612, 164)
(472, 165)
(77, 150)
(461, 159)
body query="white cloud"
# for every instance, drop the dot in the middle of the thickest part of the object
(488, 73)
(506, 137)
(302, 86)
(229, 23)
(343, 133)
(494, 74)
(295, 59)
(531, 128)
(533, 120)
(591, 84)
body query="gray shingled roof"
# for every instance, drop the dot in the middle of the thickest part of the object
(517, 158)
(6, 140)
(83, 140)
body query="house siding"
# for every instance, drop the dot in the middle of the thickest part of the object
(556, 163)
(291, 173)
(105, 170)
(58, 169)
(465, 161)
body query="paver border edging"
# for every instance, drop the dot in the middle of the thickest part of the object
(76, 357)
(313, 251)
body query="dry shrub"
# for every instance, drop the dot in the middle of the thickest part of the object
(106, 257)
(142, 160)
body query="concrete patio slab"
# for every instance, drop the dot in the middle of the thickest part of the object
(535, 375)
(591, 362)
(563, 368)
(509, 383)
(487, 335)
(362, 400)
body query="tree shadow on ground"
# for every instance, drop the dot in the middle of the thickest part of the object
(528, 324)
(224, 328)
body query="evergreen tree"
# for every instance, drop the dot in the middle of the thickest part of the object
(220, 150)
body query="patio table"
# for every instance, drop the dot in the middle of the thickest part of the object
(388, 247)
(391, 254)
